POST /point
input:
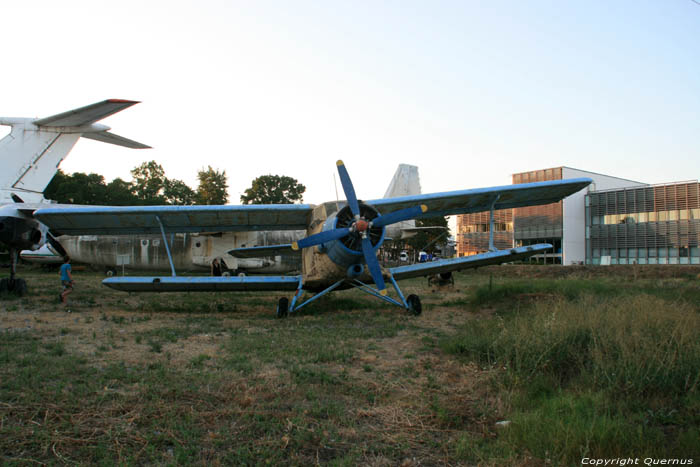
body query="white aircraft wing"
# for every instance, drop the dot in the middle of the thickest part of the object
(468, 262)
(480, 199)
(86, 115)
(112, 220)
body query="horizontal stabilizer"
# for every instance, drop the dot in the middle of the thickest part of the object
(468, 262)
(262, 251)
(203, 284)
(86, 115)
(111, 138)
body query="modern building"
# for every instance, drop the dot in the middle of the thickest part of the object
(562, 224)
(652, 224)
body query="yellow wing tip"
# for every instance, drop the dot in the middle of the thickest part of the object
(424, 208)
(383, 292)
(295, 246)
(339, 162)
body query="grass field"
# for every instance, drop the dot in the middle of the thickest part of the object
(512, 366)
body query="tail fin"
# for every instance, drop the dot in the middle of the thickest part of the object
(405, 182)
(31, 153)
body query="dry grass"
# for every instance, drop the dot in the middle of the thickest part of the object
(215, 379)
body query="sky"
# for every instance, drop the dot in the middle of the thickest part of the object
(469, 91)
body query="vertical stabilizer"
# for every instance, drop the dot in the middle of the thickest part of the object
(31, 153)
(405, 182)
(30, 158)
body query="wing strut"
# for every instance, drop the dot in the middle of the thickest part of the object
(167, 247)
(492, 247)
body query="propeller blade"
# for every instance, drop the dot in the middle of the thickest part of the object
(398, 216)
(348, 188)
(373, 265)
(321, 237)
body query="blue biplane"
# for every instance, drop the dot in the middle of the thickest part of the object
(340, 248)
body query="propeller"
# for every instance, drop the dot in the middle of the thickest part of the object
(361, 227)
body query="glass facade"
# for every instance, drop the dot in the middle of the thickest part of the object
(540, 224)
(656, 224)
(473, 232)
(516, 227)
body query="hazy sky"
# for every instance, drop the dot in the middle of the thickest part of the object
(470, 91)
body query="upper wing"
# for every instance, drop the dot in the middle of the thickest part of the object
(101, 220)
(467, 262)
(480, 199)
(203, 284)
(85, 115)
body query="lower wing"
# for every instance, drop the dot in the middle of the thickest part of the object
(468, 262)
(203, 284)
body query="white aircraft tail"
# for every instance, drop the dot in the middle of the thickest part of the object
(405, 182)
(31, 153)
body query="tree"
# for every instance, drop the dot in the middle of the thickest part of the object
(149, 182)
(119, 194)
(212, 187)
(77, 188)
(429, 240)
(178, 193)
(274, 189)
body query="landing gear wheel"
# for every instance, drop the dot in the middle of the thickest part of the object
(4, 285)
(414, 306)
(282, 307)
(109, 272)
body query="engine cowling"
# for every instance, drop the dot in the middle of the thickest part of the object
(348, 250)
(22, 233)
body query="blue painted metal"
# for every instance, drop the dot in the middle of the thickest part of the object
(203, 284)
(467, 262)
(297, 295)
(85, 220)
(338, 252)
(371, 259)
(398, 290)
(348, 189)
(479, 199)
(371, 291)
(355, 270)
(397, 216)
(318, 295)
(167, 247)
(323, 237)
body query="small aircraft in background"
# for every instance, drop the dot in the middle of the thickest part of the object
(30, 156)
(341, 243)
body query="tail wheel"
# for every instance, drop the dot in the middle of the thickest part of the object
(414, 306)
(282, 307)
